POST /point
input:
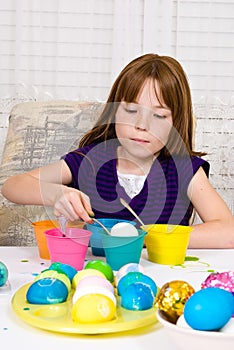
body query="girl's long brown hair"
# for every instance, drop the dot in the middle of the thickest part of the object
(175, 93)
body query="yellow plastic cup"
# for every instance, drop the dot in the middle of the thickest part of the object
(167, 244)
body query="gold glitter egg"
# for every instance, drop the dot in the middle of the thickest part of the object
(172, 298)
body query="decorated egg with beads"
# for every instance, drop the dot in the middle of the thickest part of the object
(224, 280)
(172, 297)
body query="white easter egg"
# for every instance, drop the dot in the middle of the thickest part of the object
(97, 281)
(229, 327)
(92, 290)
(130, 267)
(124, 229)
(182, 323)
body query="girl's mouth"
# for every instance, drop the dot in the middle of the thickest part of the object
(140, 140)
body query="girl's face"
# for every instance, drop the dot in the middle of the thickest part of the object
(143, 127)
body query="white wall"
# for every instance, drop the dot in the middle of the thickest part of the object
(73, 49)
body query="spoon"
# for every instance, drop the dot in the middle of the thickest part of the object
(126, 205)
(63, 224)
(101, 224)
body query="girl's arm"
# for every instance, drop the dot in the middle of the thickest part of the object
(217, 229)
(48, 186)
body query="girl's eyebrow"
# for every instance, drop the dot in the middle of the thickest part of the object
(159, 106)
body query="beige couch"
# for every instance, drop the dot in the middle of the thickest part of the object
(41, 132)
(38, 133)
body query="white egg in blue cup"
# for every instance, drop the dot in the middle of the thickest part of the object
(97, 231)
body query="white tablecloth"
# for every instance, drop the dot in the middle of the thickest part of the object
(23, 264)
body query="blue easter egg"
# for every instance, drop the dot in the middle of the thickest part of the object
(132, 277)
(209, 309)
(47, 291)
(69, 270)
(137, 296)
(3, 274)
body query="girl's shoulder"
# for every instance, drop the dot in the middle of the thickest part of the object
(94, 151)
(84, 149)
(81, 151)
(200, 162)
(179, 171)
(76, 155)
(184, 164)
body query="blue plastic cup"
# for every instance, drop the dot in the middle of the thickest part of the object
(120, 251)
(97, 231)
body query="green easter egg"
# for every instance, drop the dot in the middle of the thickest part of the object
(101, 266)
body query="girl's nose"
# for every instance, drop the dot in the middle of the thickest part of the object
(142, 121)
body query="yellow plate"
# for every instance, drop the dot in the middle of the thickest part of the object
(57, 317)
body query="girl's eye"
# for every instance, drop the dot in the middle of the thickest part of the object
(159, 116)
(131, 111)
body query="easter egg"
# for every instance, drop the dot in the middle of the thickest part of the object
(69, 270)
(54, 274)
(124, 229)
(229, 327)
(130, 267)
(209, 309)
(224, 280)
(80, 292)
(102, 266)
(133, 277)
(85, 273)
(172, 298)
(182, 323)
(95, 281)
(93, 308)
(47, 291)
(3, 274)
(137, 296)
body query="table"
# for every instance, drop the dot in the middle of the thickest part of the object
(23, 264)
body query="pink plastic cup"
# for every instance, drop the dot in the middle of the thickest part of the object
(70, 249)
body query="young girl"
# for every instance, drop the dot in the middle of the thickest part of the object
(141, 150)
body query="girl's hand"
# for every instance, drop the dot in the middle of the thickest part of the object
(48, 186)
(73, 204)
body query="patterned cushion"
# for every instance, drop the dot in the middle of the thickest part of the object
(39, 133)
